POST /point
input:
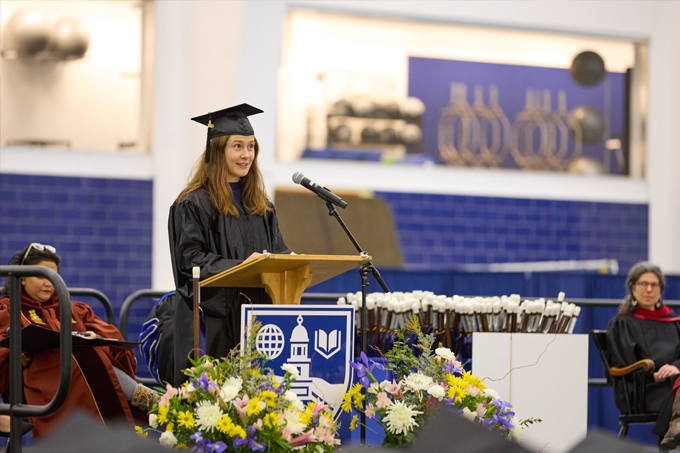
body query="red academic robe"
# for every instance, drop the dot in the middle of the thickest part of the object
(94, 386)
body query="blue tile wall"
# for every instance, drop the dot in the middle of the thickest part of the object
(100, 227)
(442, 231)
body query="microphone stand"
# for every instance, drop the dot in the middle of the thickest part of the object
(365, 270)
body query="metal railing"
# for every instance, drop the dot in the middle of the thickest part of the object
(100, 296)
(16, 409)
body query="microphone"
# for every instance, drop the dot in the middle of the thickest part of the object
(323, 193)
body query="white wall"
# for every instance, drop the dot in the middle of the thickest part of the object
(92, 102)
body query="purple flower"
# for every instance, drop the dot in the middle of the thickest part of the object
(451, 367)
(503, 414)
(205, 445)
(204, 382)
(250, 440)
(364, 370)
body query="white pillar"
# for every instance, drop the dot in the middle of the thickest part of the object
(197, 60)
(663, 158)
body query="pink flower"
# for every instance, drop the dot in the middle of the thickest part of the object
(325, 435)
(258, 424)
(370, 410)
(207, 365)
(383, 400)
(286, 434)
(170, 391)
(302, 439)
(373, 388)
(318, 407)
(481, 409)
(394, 390)
(241, 405)
(472, 391)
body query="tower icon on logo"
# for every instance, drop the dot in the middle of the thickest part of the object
(299, 350)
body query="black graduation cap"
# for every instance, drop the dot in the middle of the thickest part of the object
(229, 121)
(448, 432)
(599, 440)
(81, 433)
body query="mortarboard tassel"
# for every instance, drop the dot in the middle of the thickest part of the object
(211, 128)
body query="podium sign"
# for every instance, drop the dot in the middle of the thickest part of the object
(316, 339)
(285, 277)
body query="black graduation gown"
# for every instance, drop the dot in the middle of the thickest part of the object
(630, 339)
(201, 235)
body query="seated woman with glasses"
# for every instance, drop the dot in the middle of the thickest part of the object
(647, 329)
(103, 378)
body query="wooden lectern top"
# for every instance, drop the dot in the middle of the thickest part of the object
(323, 267)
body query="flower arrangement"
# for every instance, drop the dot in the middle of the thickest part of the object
(422, 385)
(237, 404)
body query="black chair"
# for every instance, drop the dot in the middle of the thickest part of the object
(631, 381)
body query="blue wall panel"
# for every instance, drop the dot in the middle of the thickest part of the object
(442, 231)
(100, 227)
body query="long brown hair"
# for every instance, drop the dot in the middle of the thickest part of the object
(213, 177)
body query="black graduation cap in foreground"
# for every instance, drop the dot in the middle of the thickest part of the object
(80, 433)
(599, 441)
(448, 432)
(229, 121)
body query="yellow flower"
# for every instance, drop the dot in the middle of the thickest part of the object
(181, 446)
(358, 399)
(271, 421)
(353, 424)
(346, 402)
(163, 414)
(226, 426)
(356, 388)
(268, 397)
(456, 388)
(170, 427)
(472, 380)
(185, 419)
(140, 431)
(253, 407)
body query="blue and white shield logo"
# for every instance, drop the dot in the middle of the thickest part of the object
(316, 339)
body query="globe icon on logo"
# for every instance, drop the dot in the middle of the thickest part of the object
(270, 341)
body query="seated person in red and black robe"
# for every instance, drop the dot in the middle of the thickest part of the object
(102, 377)
(647, 329)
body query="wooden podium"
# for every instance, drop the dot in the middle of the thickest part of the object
(285, 277)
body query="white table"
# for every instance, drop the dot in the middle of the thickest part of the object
(543, 376)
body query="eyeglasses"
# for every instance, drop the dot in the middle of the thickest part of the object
(38, 247)
(646, 284)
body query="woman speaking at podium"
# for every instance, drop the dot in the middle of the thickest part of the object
(223, 217)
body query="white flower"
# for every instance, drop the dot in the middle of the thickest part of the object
(417, 381)
(516, 432)
(168, 439)
(445, 353)
(230, 389)
(294, 421)
(467, 413)
(292, 397)
(207, 415)
(399, 418)
(490, 393)
(437, 391)
(287, 367)
(153, 421)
